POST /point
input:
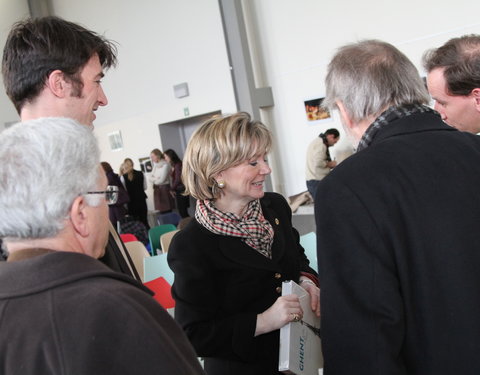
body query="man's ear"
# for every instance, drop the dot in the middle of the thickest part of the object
(346, 118)
(476, 97)
(57, 84)
(79, 216)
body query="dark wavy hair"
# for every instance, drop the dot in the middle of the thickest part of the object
(172, 155)
(38, 46)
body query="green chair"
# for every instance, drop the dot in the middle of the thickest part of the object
(154, 236)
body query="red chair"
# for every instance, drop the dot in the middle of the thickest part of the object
(128, 237)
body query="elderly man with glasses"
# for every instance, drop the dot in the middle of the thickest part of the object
(62, 310)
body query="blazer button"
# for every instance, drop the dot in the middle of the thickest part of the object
(278, 289)
(278, 275)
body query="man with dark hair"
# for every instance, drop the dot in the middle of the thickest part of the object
(397, 236)
(53, 68)
(453, 81)
(319, 163)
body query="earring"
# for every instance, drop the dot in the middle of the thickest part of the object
(221, 184)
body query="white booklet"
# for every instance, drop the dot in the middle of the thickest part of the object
(300, 344)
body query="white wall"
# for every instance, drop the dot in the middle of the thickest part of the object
(165, 42)
(160, 43)
(296, 39)
(10, 11)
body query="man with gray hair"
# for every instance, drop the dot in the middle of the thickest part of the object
(61, 310)
(397, 227)
(454, 81)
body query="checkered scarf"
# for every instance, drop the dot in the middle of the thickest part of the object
(252, 228)
(387, 117)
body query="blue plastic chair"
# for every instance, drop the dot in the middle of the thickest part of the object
(157, 266)
(168, 218)
(309, 243)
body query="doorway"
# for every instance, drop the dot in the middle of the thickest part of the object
(176, 134)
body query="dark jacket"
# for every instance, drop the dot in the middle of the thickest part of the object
(66, 313)
(137, 207)
(399, 255)
(117, 211)
(221, 284)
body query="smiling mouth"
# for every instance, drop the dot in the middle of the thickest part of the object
(260, 183)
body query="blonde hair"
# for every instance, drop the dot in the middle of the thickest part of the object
(157, 153)
(218, 144)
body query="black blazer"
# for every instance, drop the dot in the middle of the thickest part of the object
(221, 284)
(399, 253)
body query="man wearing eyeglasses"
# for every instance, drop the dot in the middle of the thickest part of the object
(53, 68)
(62, 311)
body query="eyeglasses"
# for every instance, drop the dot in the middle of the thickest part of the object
(111, 194)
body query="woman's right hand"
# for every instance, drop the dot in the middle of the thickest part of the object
(279, 314)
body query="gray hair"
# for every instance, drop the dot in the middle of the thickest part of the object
(46, 164)
(370, 76)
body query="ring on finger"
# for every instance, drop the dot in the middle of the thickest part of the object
(295, 317)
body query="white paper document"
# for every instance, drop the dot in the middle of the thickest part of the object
(300, 344)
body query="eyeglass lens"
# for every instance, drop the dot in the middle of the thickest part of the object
(111, 194)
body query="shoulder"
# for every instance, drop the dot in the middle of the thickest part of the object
(194, 242)
(275, 202)
(194, 235)
(271, 198)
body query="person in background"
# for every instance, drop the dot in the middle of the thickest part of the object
(54, 68)
(62, 311)
(230, 261)
(397, 236)
(160, 178)
(117, 210)
(135, 184)
(177, 188)
(453, 81)
(319, 163)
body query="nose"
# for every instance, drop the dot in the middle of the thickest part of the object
(102, 98)
(265, 168)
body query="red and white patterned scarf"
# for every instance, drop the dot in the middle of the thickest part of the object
(252, 228)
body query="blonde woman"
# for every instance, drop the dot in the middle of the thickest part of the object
(230, 261)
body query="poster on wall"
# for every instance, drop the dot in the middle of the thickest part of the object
(145, 164)
(315, 112)
(115, 140)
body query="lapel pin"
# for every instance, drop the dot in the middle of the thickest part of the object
(277, 221)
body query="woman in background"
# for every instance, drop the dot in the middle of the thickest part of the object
(230, 261)
(117, 211)
(160, 179)
(177, 188)
(135, 184)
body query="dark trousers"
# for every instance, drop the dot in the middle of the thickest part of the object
(312, 187)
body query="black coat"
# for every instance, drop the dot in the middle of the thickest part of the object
(137, 206)
(66, 313)
(399, 253)
(221, 284)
